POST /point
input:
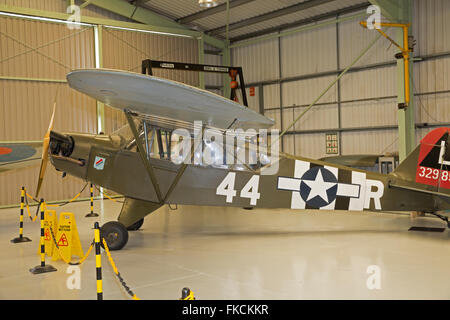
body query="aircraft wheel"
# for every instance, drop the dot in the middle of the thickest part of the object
(135, 226)
(115, 234)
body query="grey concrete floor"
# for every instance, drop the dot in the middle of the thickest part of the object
(229, 253)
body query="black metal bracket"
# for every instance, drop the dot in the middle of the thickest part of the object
(148, 65)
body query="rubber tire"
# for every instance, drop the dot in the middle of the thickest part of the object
(135, 226)
(121, 238)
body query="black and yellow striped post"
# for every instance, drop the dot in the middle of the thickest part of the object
(21, 238)
(42, 268)
(98, 262)
(92, 213)
(187, 294)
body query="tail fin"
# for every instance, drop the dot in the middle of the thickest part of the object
(429, 163)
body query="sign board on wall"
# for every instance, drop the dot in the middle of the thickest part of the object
(331, 140)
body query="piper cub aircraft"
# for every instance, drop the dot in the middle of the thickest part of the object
(143, 161)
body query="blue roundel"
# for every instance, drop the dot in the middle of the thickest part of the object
(318, 187)
(15, 152)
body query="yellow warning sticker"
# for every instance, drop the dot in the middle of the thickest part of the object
(67, 238)
(50, 224)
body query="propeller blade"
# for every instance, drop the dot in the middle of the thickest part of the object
(44, 156)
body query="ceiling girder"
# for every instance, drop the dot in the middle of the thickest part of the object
(299, 23)
(269, 15)
(214, 10)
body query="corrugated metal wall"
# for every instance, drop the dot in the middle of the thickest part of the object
(35, 49)
(301, 65)
(44, 50)
(125, 50)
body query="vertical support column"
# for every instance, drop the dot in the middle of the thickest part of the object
(261, 98)
(226, 61)
(281, 92)
(201, 60)
(98, 45)
(406, 116)
(338, 67)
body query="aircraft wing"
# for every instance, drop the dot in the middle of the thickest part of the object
(19, 154)
(164, 98)
(353, 160)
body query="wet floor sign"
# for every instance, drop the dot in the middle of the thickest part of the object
(50, 221)
(67, 238)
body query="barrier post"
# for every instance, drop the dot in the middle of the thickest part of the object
(98, 261)
(92, 214)
(187, 294)
(42, 268)
(21, 238)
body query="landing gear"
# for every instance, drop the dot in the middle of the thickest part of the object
(135, 226)
(440, 216)
(115, 235)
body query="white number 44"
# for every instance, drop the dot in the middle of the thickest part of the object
(250, 190)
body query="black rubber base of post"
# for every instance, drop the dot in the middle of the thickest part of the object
(42, 269)
(20, 240)
(91, 214)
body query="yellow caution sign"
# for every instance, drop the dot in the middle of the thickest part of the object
(50, 225)
(67, 238)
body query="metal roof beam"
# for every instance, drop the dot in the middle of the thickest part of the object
(269, 15)
(148, 17)
(393, 10)
(214, 10)
(299, 23)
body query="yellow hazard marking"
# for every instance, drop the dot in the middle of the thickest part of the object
(67, 238)
(50, 221)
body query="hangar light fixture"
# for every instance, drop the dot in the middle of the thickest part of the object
(207, 3)
(89, 24)
(149, 31)
(42, 19)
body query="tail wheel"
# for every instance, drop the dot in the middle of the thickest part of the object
(115, 235)
(135, 226)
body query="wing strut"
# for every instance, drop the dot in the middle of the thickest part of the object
(140, 147)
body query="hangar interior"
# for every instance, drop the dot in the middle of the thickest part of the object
(290, 51)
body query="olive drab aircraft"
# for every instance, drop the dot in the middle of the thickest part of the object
(156, 158)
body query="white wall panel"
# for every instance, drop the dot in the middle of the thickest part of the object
(258, 61)
(353, 39)
(253, 102)
(318, 117)
(289, 144)
(369, 113)
(212, 78)
(369, 142)
(432, 75)
(288, 118)
(271, 96)
(274, 115)
(310, 145)
(433, 108)
(431, 26)
(304, 92)
(372, 83)
(309, 52)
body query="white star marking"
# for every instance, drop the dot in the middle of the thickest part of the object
(319, 187)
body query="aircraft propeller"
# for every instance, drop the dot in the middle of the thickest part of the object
(45, 146)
